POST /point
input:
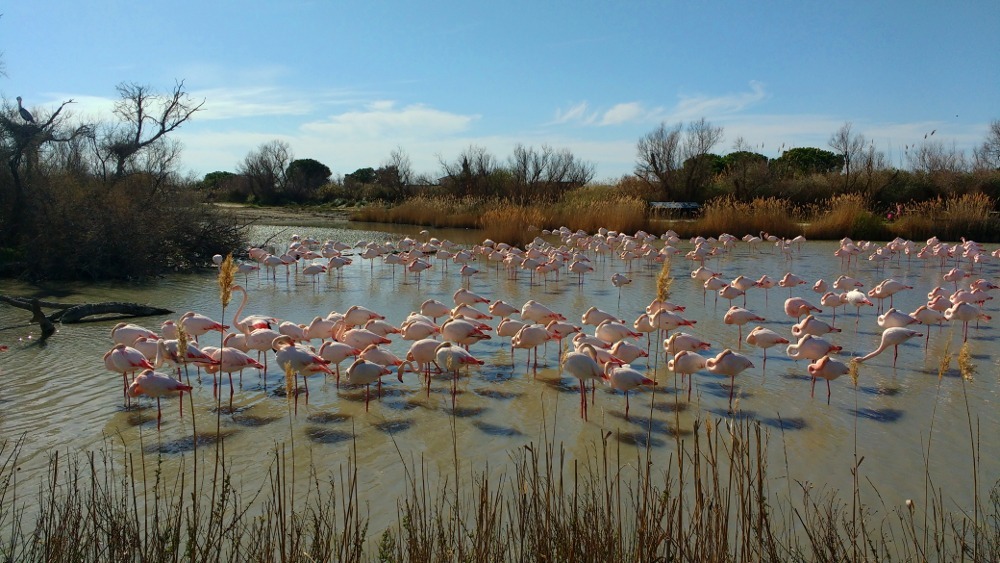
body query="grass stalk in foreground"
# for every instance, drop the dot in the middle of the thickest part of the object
(712, 498)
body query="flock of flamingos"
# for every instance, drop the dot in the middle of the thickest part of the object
(602, 348)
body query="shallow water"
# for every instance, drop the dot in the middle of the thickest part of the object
(61, 399)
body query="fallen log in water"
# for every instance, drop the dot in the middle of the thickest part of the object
(69, 313)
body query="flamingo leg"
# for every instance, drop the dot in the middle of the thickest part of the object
(812, 390)
(367, 395)
(626, 406)
(828, 391)
(159, 414)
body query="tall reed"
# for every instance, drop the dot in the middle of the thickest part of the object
(730, 215)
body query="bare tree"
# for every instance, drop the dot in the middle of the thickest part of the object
(264, 170)
(545, 174)
(23, 145)
(145, 117)
(701, 138)
(396, 173)
(987, 155)
(475, 172)
(849, 147)
(935, 157)
(659, 157)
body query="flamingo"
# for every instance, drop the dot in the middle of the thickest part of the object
(927, 316)
(504, 310)
(418, 330)
(127, 333)
(765, 338)
(827, 368)
(739, 316)
(625, 378)
(964, 312)
(858, 300)
(594, 316)
(423, 353)
(687, 362)
(811, 348)
(679, 341)
(156, 385)
(123, 359)
(611, 331)
(530, 337)
(618, 280)
(536, 312)
(893, 336)
(627, 351)
(583, 366)
(729, 364)
(197, 324)
(450, 356)
(465, 297)
(336, 352)
(299, 360)
(892, 318)
(358, 316)
(363, 372)
(812, 325)
(434, 309)
(796, 307)
(379, 355)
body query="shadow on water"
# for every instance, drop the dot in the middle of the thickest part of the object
(795, 423)
(139, 417)
(639, 439)
(676, 406)
(494, 394)
(654, 426)
(465, 412)
(253, 420)
(328, 418)
(401, 405)
(878, 415)
(394, 426)
(879, 389)
(496, 429)
(322, 435)
(564, 385)
(740, 414)
(187, 443)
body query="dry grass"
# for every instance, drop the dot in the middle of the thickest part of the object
(710, 499)
(729, 215)
(968, 215)
(846, 215)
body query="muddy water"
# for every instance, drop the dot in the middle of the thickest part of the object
(60, 398)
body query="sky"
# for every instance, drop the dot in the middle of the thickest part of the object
(348, 82)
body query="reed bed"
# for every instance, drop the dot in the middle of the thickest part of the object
(969, 215)
(711, 498)
(846, 215)
(730, 215)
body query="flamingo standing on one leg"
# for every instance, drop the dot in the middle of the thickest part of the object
(729, 364)
(154, 384)
(363, 372)
(827, 368)
(624, 379)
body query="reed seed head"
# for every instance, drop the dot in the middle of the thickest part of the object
(227, 273)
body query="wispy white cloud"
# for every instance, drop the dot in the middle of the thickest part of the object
(382, 119)
(576, 112)
(687, 108)
(623, 113)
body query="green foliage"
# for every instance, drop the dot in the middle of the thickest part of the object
(808, 160)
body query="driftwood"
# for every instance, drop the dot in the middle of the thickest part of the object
(69, 313)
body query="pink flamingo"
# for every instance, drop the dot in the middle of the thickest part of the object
(363, 372)
(450, 356)
(624, 379)
(739, 316)
(728, 364)
(765, 338)
(893, 336)
(686, 362)
(156, 385)
(123, 359)
(583, 366)
(811, 348)
(827, 368)
(336, 352)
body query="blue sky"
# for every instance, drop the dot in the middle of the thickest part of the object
(346, 83)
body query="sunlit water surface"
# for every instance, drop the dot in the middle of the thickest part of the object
(61, 399)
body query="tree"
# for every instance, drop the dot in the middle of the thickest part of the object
(396, 174)
(746, 169)
(305, 177)
(360, 177)
(849, 146)
(934, 157)
(475, 172)
(663, 152)
(545, 174)
(987, 155)
(145, 118)
(808, 160)
(701, 137)
(264, 171)
(659, 157)
(23, 145)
